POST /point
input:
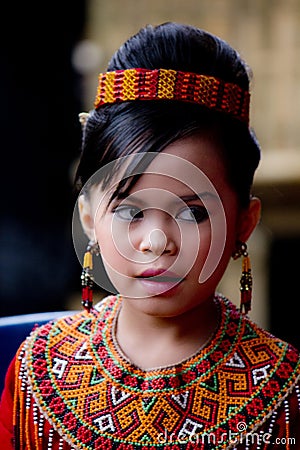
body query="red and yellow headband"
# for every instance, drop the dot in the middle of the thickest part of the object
(162, 84)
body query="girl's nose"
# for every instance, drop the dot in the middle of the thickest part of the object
(157, 243)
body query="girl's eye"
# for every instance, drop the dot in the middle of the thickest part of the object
(193, 214)
(126, 212)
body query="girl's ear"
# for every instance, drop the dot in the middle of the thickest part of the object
(248, 219)
(86, 217)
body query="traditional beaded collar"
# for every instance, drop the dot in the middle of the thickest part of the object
(71, 373)
(162, 84)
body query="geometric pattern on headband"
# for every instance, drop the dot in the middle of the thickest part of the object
(163, 84)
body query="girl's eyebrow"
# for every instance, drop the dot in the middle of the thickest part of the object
(185, 198)
(200, 196)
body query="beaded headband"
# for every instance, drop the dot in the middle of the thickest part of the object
(162, 84)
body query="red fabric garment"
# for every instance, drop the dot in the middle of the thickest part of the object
(6, 409)
(7, 439)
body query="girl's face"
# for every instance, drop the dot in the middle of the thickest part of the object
(167, 244)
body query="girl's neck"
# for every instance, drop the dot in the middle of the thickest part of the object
(152, 342)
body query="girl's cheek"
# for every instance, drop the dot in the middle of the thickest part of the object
(195, 245)
(113, 243)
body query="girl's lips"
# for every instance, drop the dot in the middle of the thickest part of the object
(159, 275)
(159, 281)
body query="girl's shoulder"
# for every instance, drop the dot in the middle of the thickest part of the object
(72, 320)
(79, 326)
(249, 332)
(254, 350)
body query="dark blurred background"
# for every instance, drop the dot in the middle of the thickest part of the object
(40, 100)
(51, 56)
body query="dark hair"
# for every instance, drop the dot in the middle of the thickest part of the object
(116, 130)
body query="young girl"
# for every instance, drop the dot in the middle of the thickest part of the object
(165, 201)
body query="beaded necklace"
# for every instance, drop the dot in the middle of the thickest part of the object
(71, 373)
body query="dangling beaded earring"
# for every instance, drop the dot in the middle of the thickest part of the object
(87, 279)
(246, 278)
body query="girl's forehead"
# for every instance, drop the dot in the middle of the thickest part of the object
(189, 165)
(153, 184)
(194, 162)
